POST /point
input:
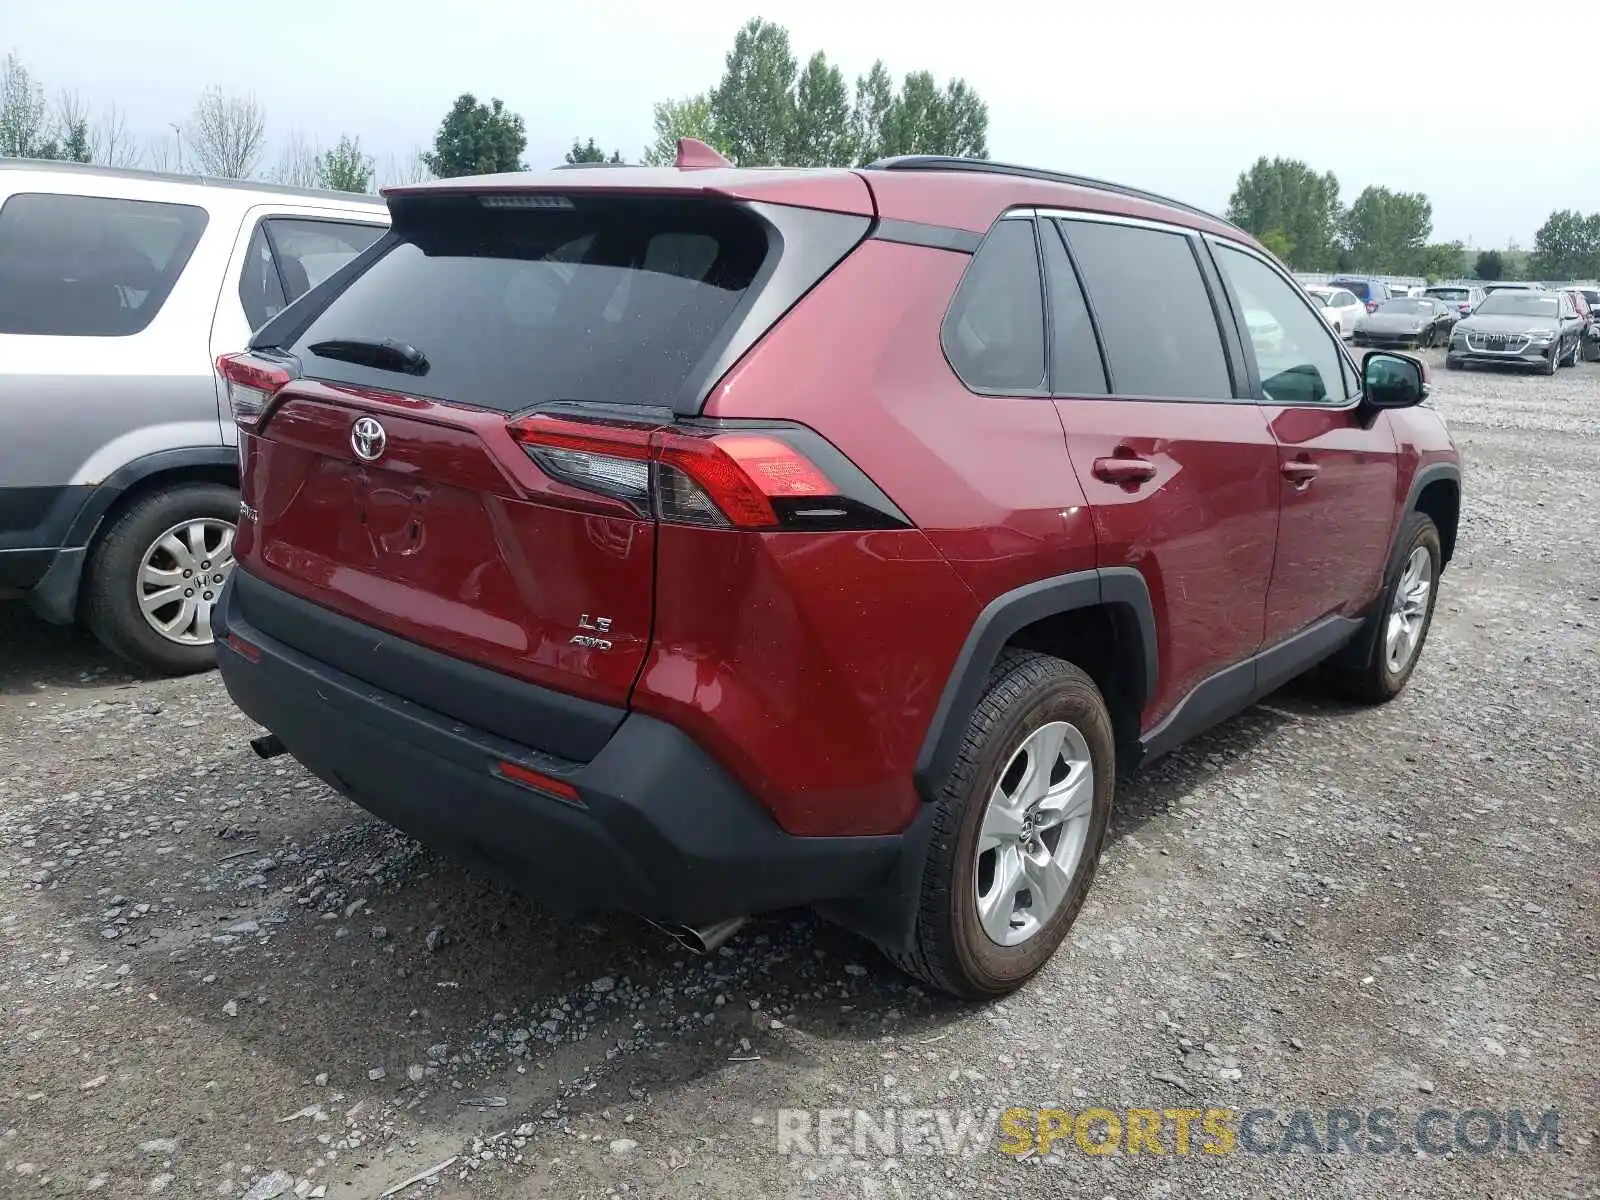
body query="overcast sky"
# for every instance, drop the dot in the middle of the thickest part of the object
(1175, 97)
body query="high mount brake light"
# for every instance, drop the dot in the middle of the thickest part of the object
(725, 478)
(252, 383)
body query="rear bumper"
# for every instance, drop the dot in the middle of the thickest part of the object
(660, 830)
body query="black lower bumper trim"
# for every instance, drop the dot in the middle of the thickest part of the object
(661, 831)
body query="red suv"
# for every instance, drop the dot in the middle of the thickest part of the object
(696, 542)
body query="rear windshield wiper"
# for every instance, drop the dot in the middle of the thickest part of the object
(383, 354)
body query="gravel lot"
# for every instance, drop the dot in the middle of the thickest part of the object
(217, 977)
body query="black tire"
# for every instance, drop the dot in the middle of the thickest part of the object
(109, 603)
(1372, 682)
(1452, 363)
(1548, 366)
(950, 950)
(1572, 359)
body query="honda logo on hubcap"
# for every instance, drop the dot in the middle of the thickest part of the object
(368, 439)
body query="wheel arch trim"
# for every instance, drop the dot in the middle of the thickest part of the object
(1122, 590)
(55, 597)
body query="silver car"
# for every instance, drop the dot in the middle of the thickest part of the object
(1521, 327)
(118, 472)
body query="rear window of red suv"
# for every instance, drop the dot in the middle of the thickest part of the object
(612, 301)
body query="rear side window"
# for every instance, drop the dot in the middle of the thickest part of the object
(290, 256)
(90, 266)
(1360, 290)
(1156, 321)
(994, 331)
(612, 301)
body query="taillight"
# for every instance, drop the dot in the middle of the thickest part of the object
(1372, 306)
(721, 477)
(252, 382)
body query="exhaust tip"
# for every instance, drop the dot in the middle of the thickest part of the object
(705, 939)
(268, 745)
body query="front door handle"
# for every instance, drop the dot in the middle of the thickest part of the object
(1301, 472)
(1124, 470)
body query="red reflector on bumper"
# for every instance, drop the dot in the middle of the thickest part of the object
(243, 648)
(529, 778)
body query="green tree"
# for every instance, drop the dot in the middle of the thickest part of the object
(72, 128)
(590, 152)
(477, 139)
(1567, 246)
(24, 117)
(1277, 241)
(1489, 265)
(924, 120)
(822, 135)
(753, 107)
(1442, 260)
(874, 99)
(345, 168)
(1387, 230)
(1286, 195)
(674, 119)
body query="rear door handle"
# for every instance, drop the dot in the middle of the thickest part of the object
(1124, 470)
(1301, 472)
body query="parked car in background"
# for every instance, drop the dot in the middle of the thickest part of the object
(1341, 308)
(1371, 292)
(1522, 327)
(118, 471)
(1513, 285)
(1591, 340)
(1465, 296)
(654, 540)
(1420, 322)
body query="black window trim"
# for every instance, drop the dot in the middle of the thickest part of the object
(159, 298)
(1239, 365)
(1049, 320)
(1043, 390)
(1258, 392)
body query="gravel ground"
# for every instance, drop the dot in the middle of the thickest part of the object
(219, 979)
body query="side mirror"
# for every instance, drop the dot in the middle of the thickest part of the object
(1392, 380)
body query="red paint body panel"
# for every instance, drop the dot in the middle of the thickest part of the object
(1336, 529)
(808, 664)
(971, 201)
(987, 477)
(452, 539)
(1203, 532)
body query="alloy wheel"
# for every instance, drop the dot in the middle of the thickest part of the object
(180, 577)
(1408, 612)
(1033, 833)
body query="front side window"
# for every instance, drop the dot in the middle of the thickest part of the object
(1296, 355)
(994, 332)
(1154, 310)
(90, 266)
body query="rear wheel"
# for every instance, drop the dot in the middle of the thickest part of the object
(155, 575)
(1017, 831)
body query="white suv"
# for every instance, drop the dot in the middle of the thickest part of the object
(1342, 309)
(118, 472)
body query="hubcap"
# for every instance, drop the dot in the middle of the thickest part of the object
(1033, 833)
(180, 577)
(1408, 614)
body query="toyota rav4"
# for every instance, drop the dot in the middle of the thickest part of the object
(696, 542)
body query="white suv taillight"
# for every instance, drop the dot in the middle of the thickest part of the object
(252, 382)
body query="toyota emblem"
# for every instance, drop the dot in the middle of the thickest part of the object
(368, 439)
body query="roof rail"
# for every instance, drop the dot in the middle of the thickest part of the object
(944, 162)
